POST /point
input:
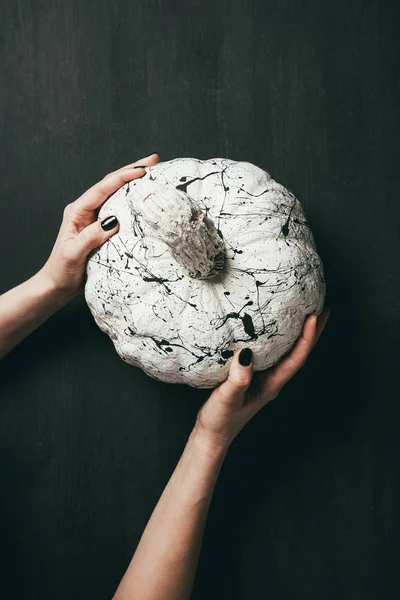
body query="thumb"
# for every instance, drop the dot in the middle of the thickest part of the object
(95, 235)
(240, 375)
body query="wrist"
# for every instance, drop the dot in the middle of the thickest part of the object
(207, 444)
(48, 289)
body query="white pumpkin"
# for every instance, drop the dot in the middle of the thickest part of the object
(211, 255)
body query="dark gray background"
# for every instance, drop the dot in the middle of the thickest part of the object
(307, 505)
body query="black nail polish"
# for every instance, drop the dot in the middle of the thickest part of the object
(245, 357)
(109, 223)
(140, 167)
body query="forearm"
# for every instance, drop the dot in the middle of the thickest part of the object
(25, 307)
(165, 561)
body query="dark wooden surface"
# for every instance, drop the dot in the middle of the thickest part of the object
(308, 503)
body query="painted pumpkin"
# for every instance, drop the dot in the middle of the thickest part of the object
(211, 255)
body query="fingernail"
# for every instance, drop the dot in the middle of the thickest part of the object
(140, 167)
(245, 357)
(109, 223)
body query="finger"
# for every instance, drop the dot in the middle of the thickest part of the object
(322, 321)
(95, 196)
(147, 161)
(150, 160)
(98, 193)
(231, 391)
(93, 236)
(279, 375)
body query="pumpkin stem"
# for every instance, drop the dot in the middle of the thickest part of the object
(179, 222)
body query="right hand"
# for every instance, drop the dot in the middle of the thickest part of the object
(81, 231)
(233, 403)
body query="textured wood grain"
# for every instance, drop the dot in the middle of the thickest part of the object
(307, 506)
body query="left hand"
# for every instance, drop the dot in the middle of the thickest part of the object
(81, 231)
(233, 403)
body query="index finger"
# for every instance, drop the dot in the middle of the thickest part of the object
(96, 195)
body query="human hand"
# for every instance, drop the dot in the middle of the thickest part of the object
(81, 231)
(233, 403)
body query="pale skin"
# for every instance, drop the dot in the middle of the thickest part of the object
(164, 564)
(27, 306)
